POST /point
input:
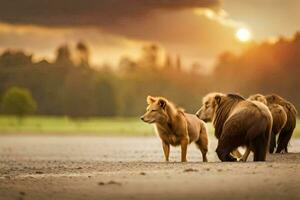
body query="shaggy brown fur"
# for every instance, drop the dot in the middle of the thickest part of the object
(175, 127)
(287, 131)
(258, 97)
(279, 118)
(238, 122)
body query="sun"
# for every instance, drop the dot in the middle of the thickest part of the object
(243, 35)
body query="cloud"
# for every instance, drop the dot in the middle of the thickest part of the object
(89, 12)
(220, 16)
(118, 26)
(43, 42)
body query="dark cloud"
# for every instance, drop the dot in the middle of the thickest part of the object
(113, 23)
(87, 12)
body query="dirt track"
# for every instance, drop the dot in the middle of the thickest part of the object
(49, 167)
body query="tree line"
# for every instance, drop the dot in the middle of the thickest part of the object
(71, 86)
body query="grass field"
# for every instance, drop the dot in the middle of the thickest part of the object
(97, 126)
(65, 125)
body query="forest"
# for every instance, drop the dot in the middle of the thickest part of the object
(70, 86)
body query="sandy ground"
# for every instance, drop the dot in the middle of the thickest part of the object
(77, 167)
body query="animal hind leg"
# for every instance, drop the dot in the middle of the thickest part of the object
(202, 144)
(260, 145)
(283, 141)
(259, 154)
(272, 143)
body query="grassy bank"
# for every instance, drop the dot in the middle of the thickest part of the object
(97, 126)
(65, 125)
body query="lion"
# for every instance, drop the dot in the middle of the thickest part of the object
(279, 118)
(237, 122)
(287, 131)
(175, 127)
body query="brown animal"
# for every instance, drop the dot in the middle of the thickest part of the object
(279, 118)
(175, 127)
(237, 122)
(287, 131)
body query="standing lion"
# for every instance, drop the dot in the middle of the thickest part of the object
(279, 118)
(175, 127)
(237, 122)
(287, 131)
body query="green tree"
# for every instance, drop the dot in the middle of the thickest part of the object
(106, 98)
(18, 101)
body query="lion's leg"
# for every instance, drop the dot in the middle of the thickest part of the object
(204, 153)
(246, 154)
(184, 143)
(202, 144)
(226, 145)
(283, 141)
(260, 148)
(272, 142)
(286, 149)
(166, 148)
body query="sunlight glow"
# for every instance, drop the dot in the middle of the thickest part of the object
(243, 35)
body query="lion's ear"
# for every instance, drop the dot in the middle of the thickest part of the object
(218, 99)
(162, 103)
(150, 99)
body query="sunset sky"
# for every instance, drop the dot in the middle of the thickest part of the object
(198, 30)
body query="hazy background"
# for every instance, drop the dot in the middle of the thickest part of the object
(81, 58)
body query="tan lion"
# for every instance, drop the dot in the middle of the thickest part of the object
(175, 127)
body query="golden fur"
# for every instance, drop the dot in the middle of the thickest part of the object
(237, 122)
(288, 129)
(210, 109)
(175, 127)
(258, 97)
(279, 118)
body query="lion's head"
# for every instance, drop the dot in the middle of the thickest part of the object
(156, 110)
(209, 105)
